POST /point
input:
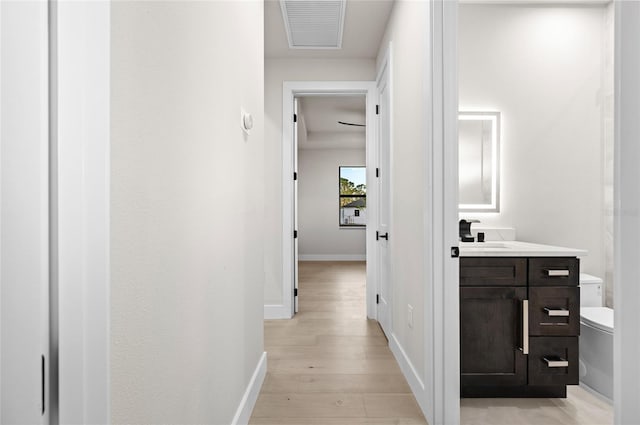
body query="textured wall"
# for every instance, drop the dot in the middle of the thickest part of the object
(187, 208)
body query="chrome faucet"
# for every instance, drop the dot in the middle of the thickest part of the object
(465, 230)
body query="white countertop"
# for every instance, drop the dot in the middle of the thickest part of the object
(516, 249)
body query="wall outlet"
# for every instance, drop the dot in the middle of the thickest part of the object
(410, 315)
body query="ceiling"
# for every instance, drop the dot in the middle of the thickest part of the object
(365, 22)
(364, 25)
(318, 123)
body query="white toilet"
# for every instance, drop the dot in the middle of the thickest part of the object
(596, 338)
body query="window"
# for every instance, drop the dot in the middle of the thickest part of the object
(352, 189)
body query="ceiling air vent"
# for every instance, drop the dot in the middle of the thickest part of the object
(314, 24)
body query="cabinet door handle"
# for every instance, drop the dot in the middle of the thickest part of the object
(556, 312)
(556, 362)
(557, 273)
(525, 326)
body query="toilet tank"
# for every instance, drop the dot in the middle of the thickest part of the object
(590, 291)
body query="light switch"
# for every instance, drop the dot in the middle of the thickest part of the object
(246, 121)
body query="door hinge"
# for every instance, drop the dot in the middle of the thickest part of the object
(295, 292)
(377, 172)
(377, 109)
(295, 175)
(379, 236)
(455, 252)
(377, 298)
(295, 117)
(295, 234)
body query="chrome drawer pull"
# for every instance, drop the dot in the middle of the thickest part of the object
(557, 273)
(556, 362)
(525, 326)
(561, 312)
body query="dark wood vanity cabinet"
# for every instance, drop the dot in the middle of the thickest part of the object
(519, 326)
(490, 336)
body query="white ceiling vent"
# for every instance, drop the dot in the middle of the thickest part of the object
(314, 24)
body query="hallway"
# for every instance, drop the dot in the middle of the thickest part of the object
(329, 365)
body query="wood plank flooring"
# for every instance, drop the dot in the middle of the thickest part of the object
(579, 408)
(330, 365)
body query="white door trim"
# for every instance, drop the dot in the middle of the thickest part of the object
(80, 133)
(291, 89)
(442, 341)
(296, 223)
(626, 347)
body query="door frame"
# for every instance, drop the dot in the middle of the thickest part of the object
(76, 90)
(80, 194)
(442, 333)
(293, 89)
(626, 349)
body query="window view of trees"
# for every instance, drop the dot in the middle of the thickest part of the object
(353, 196)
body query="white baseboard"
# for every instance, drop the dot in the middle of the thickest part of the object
(243, 414)
(410, 374)
(276, 311)
(596, 393)
(350, 257)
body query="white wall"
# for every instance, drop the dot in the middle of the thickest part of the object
(408, 31)
(320, 235)
(187, 208)
(277, 71)
(542, 67)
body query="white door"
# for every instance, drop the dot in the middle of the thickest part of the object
(385, 291)
(24, 213)
(295, 205)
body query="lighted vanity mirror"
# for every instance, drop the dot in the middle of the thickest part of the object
(478, 161)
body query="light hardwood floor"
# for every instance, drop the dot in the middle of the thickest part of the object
(330, 365)
(579, 408)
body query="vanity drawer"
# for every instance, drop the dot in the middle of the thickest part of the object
(479, 271)
(554, 271)
(553, 361)
(554, 311)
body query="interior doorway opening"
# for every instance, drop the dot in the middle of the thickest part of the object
(325, 124)
(330, 203)
(582, 384)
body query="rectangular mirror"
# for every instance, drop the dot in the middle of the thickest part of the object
(478, 161)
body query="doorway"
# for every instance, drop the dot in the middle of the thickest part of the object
(330, 196)
(549, 34)
(318, 93)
